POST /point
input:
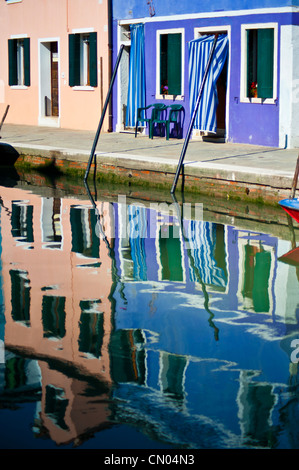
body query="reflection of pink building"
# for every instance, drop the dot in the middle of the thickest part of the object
(80, 413)
(56, 284)
(54, 62)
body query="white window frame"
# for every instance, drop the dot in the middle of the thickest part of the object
(48, 121)
(20, 61)
(83, 59)
(159, 32)
(243, 71)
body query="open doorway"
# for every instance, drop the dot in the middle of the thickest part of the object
(222, 92)
(221, 109)
(49, 83)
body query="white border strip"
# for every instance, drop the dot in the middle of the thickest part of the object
(82, 30)
(18, 36)
(211, 14)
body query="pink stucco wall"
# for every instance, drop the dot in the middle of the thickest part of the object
(44, 21)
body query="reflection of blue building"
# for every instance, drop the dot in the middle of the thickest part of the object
(237, 266)
(161, 252)
(200, 331)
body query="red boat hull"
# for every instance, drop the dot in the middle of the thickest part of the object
(291, 206)
(292, 257)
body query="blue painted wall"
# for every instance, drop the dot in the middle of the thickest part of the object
(248, 123)
(141, 8)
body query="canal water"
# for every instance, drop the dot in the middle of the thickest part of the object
(131, 323)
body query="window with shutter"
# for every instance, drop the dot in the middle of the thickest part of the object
(169, 63)
(19, 62)
(259, 63)
(260, 52)
(83, 59)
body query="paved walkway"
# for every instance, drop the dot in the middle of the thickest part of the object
(225, 161)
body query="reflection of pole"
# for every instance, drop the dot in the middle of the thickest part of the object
(92, 154)
(97, 215)
(196, 270)
(293, 239)
(115, 277)
(193, 118)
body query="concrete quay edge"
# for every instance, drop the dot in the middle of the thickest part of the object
(276, 179)
(249, 172)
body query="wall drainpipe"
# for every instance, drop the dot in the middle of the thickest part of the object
(110, 52)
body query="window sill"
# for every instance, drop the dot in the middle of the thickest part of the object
(170, 97)
(19, 87)
(258, 100)
(83, 88)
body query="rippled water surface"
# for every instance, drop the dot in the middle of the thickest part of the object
(130, 323)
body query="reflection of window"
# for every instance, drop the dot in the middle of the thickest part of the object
(22, 374)
(84, 237)
(53, 316)
(51, 222)
(91, 328)
(169, 66)
(259, 67)
(19, 61)
(22, 221)
(172, 374)
(256, 403)
(83, 59)
(257, 270)
(127, 356)
(15, 373)
(170, 254)
(20, 296)
(56, 405)
(133, 253)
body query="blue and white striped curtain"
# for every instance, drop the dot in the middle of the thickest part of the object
(137, 234)
(136, 89)
(199, 51)
(202, 236)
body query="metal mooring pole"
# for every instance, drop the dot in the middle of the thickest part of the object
(4, 116)
(295, 179)
(184, 149)
(103, 113)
